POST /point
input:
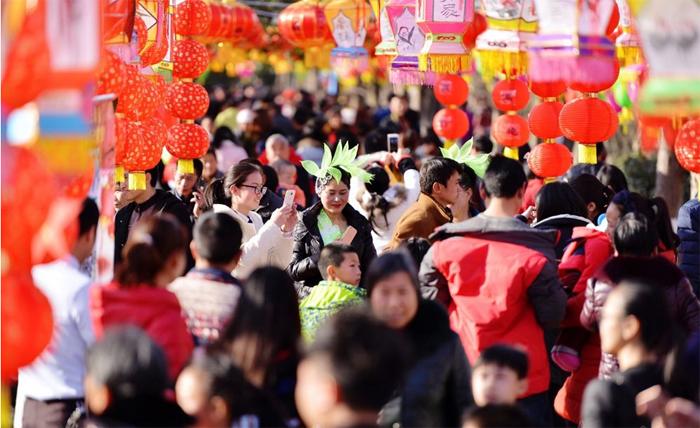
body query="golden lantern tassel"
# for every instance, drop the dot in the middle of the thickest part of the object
(511, 152)
(587, 154)
(185, 166)
(439, 63)
(118, 174)
(137, 180)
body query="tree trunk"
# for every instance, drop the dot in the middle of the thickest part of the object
(670, 179)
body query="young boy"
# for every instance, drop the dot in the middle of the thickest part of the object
(287, 176)
(499, 375)
(340, 268)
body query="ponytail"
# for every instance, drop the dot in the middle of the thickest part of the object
(376, 206)
(215, 194)
(662, 219)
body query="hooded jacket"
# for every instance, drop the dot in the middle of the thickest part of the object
(308, 244)
(155, 310)
(498, 279)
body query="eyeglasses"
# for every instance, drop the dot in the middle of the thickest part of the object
(258, 190)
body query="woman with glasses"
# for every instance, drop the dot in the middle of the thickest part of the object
(264, 244)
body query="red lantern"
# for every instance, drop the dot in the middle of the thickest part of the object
(614, 20)
(187, 100)
(544, 119)
(451, 123)
(451, 90)
(145, 146)
(241, 24)
(511, 130)
(303, 24)
(190, 59)
(588, 120)
(187, 141)
(648, 138)
(113, 75)
(139, 97)
(548, 160)
(476, 27)
(118, 18)
(548, 89)
(27, 322)
(193, 17)
(510, 95)
(220, 21)
(593, 87)
(687, 146)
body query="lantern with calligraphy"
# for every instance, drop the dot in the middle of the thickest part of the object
(572, 44)
(304, 25)
(409, 42)
(511, 130)
(451, 124)
(588, 121)
(348, 21)
(444, 23)
(502, 47)
(669, 33)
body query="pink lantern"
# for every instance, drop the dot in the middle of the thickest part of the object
(409, 42)
(444, 23)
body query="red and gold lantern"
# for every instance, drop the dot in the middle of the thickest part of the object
(544, 120)
(187, 141)
(145, 146)
(112, 75)
(588, 121)
(193, 17)
(549, 160)
(139, 97)
(451, 90)
(444, 24)
(451, 124)
(687, 147)
(186, 100)
(304, 25)
(510, 95)
(511, 130)
(190, 59)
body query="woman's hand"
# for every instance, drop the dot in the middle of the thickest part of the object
(285, 218)
(530, 214)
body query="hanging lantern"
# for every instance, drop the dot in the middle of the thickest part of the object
(156, 42)
(543, 119)
(139, 97)
(649, 137)
(187, 100)
(474, 29)
(187, 141)
(549, 160)
(628, 44)
(112, 74)
(444, 24)
(387, 45)
(451, 124)
(572, 43)
(190, 59)
(145, 145)
(502, 47)
(348, 21)
(552, 89)
(303, 24)
(588, 121)
(451, 90)
(141, 32)
(118, 20)
(409, 40)
(511, 131)
(510, 95)
(687, 147)
(192, 18)
(593, 86)
(669, 33)
(242, 24)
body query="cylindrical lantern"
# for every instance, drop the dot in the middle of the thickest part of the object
(444, 23)
(588, 121)
(549, 160)
(502, 47)
(409, 39)
(451, 123)
(348, 21)
(687, 147)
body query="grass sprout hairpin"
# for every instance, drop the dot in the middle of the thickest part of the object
(478, 163)
(332, 164)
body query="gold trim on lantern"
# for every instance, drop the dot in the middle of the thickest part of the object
(496, 62)
(185, 166)
(587, 154)
(511, 153)
(137, 180)
(118, 174)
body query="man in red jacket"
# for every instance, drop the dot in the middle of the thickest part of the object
(498, 279)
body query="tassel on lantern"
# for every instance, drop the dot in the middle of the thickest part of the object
(447, 63)
(587, 154)
(511, 64)
(137, 180)
(185, 166)
(118, 174)
(511, 152)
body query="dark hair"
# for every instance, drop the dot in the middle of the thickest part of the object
(633, 236)
(237, 174)
(504, 356)
(215, 194)
(266, 321)
(655, 210)
(222, 134)
(483, 144)
(389, 264)
(210, 151)
(590, 189)
(150, 244)
(612, 177)
(89, 216)
(198, 167)
(377, 205)
(504, 177)
(647, 303)
(333, 254)
(559, 198)
(416, 247)
(128, 363)
(217, 237)
(271, 179)
(367, 358)
(437, 170)
(496, 416)
(156, 173)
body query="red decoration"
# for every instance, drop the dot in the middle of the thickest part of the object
(548, 89)
(687, 147)
(187, 141)
(588, 120)
(112, 76)
(451, 90)
(241, 24)
(187, 100)
(190, 59)
(141, 32)
(511, 130)
(304, 25)
(476, 27)
(510, 95)
(193, 17)
(549, 160)
(614, 20)
(220, 21)
(144, 145)
(544, 119)
(118, 18)
(139, 98)
(588, 87)
(648, 138)
(59, 232)
(451, 123)
(27, 322)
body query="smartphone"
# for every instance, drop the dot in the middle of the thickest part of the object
(349, 235)
(392, 143)
(289, 198)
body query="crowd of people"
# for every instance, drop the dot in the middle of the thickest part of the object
(304, 275)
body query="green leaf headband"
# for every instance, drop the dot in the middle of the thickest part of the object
(478, 163)
(331, 165)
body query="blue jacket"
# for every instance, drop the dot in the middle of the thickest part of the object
(689, 251)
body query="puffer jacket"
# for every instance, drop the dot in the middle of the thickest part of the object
(564, 224)
(437, 389)
(689, 250)
(308, 244)
(498, 279)
(684, 305)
